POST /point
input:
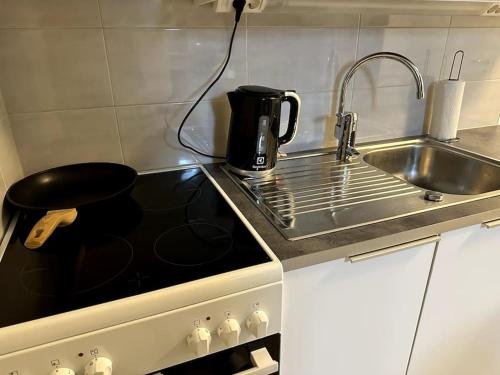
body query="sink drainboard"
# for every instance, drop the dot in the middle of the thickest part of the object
(298, 190)
(311, 195)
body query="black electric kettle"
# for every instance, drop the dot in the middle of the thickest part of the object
(255, 124)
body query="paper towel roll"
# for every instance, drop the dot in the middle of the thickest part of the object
(446, 107)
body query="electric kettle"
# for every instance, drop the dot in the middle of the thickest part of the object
(254, 139)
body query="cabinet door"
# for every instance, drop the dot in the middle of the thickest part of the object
(344, 318)
(459, 332)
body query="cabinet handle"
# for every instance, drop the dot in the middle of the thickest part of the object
(264, 364)
(392, 249)
(491, 224)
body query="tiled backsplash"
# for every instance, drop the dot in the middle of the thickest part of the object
(10, 167)
(111, 79)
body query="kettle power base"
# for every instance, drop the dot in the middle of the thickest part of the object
(245, 173)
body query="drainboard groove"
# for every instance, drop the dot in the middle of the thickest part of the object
(321, 173)
(310, 179)
(327, 185)
(338, 206)
(336, 193)
(333, 202)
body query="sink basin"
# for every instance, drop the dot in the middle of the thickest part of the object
(439, 168)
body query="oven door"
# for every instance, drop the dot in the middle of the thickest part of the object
(260, 357)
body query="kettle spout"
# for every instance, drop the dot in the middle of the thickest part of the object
(232, 96)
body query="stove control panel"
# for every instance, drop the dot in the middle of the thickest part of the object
(145, 345)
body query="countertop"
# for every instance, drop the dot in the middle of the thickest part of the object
(338, 245)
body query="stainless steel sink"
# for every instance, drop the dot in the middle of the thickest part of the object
(438, 168)
(312, 193)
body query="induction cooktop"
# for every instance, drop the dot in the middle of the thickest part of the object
(174, 228)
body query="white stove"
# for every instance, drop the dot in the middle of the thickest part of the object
(197, 292)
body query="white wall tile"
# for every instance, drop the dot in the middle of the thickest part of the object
(174, 65)
(388, 112)
(482, 57)
(425, 47)
(10, 166)
(404, 20)
(49, 13)
(306, 60)
(50, 139)
(316, 123)
(475, 21)
(149, 133)
(42, 69)
(279, 18)
(481, 104)
(162, 13)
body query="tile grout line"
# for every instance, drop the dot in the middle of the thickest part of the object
(219, 27)
(356, 51)
(246, 49)
(443, 60)
(117, 125)
(190, 101)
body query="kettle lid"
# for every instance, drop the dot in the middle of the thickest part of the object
(261, 91)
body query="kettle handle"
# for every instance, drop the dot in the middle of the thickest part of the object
(293, 119)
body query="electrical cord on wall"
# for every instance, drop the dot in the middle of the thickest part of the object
(238, 5)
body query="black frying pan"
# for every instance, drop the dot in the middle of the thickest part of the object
(62, 191)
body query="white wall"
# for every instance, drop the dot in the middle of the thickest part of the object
(10, 167)
(111, 79)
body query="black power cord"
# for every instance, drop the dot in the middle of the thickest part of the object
(238, 5)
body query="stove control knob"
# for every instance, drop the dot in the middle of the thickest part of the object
(229, 331)
(99, 366)
(257, 323)
(199, 341)
(62, 371)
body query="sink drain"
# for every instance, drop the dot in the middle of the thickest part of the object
(434, 196)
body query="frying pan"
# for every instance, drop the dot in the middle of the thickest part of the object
(63, 190)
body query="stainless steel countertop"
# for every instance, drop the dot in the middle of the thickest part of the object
(302, 253)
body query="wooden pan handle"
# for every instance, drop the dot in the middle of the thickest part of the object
(44, 228)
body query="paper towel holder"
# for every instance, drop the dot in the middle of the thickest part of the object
(446, 131)
(459, 67)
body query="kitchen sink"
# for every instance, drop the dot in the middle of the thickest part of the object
(313, 193)
(438, 168)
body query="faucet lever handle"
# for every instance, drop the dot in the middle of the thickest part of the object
(346, 121)
(345, 132)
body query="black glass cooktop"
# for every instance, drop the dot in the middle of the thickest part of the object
(174, 228)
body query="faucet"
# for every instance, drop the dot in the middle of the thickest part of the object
(345, 130)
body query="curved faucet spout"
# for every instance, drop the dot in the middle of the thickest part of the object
(346, 126)
(382, 55)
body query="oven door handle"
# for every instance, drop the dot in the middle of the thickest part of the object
(264, 364)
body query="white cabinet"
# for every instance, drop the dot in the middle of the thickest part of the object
(459, 332)
(343, 318)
